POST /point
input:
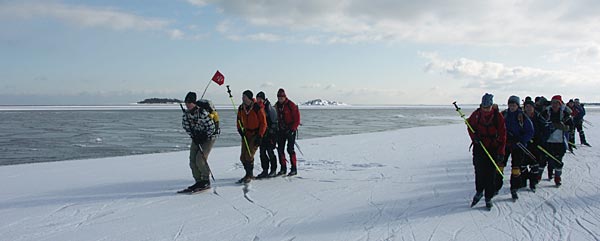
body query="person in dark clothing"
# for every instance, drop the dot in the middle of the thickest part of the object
(578, 121)
(267, 146)
(519, 131)
(489, 130)
(558, 122)
(288, 117)
(533, 174)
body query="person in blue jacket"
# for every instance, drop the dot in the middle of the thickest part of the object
(519, 131)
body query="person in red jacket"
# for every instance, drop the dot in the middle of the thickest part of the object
(490, 130)
(254, 126)
(288, 118)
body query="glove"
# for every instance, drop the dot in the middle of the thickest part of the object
(257, 140)
(476, 140)
(291, 133)
(242, 132)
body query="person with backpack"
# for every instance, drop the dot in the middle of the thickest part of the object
(578, 121)
(558, 122)
(489, 130)
(519, 131)
(288, 118)
(267, 146)
(202, 130)
(251, 126)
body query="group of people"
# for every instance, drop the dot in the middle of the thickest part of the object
(533, 135)
(259, 124)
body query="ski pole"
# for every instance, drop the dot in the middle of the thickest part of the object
(239, 121)
(526, 151)
(547, 153)
(480, 143)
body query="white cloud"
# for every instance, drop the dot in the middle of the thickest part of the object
(264, 37)
(498, 76)
(267, 84)
(495, 22)
(176, 34)
(83, 16)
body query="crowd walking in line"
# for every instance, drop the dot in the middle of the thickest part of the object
(533, 135)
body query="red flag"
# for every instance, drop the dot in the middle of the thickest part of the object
(218, 78)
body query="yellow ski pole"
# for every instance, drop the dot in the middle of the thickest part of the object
(480, 143)
(239, 121)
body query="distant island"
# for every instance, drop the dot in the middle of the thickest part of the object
(160, 101)
(322, 102)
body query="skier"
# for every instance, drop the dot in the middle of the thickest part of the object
(488, 124)
(558, 121)
(533, 174)
(252, 129)
(267, 153)
(519, 131)
(288, 117)
(578, 121)
(201, 128)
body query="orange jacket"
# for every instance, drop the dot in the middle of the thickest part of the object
(253, 119)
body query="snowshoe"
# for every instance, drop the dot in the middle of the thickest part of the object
(292, 173)
(557, 181)
(587, 144)
(476, 198)
(513, 194)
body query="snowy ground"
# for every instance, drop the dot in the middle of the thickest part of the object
(410, 184)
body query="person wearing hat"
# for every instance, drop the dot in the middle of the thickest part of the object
(252, 130)
(267, 146)
(559, 121)
(201, 129)
(578, 121)
(519, 131)
(489, 130)
(288, 117)
(533, 174)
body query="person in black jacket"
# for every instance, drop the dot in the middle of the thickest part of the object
(267, 146)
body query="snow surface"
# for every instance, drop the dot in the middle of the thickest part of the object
(409, 184)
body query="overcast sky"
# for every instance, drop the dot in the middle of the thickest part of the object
(354, 51)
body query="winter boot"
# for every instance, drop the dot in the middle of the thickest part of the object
(262, 175)
(557, 181)
(488, 204)
(476, 198)
(513, 194)
(202, 185)
(283, 170)
(293, 171)
(249, 167)
(190, 188)
(272, 173)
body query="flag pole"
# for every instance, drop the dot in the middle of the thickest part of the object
(205, 89)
